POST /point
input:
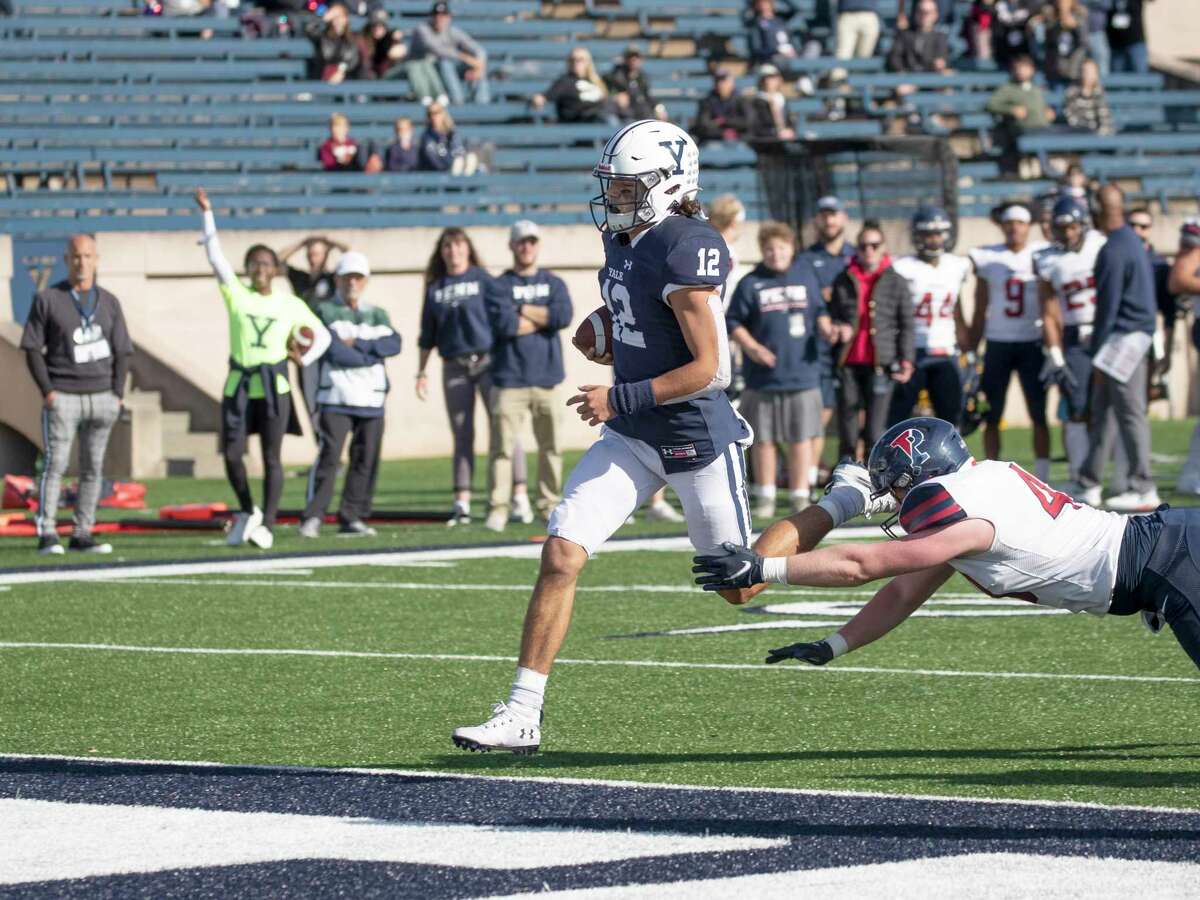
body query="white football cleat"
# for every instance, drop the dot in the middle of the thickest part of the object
(662, 512)
(1089, 495)
(505, 730)
(1134, 501)
(244, 524)
(310, 528)
(851, 475)
(262, 537)
(496, 521)
(522, 512)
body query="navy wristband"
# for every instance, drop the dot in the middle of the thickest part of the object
(626, 399)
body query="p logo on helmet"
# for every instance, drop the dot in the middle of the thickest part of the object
(909, 442)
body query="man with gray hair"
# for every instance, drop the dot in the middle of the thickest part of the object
(77, 348)
(351, 393)
(528, 307)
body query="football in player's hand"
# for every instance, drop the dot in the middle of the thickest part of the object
(302, 338)
(594, 336)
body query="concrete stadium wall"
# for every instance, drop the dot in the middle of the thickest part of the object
(174, 311)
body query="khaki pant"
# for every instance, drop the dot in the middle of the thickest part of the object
(857, 35)
(510, 406)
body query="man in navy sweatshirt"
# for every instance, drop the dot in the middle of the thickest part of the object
(528, 307)
(1125, 309)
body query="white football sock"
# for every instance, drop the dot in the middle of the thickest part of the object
(765, 491)
(814, 474)
(1075, 439)
(1041, 469)
(528, 691)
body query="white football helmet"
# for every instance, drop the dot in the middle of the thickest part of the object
(645, 170)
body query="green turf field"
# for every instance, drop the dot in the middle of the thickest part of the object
(911, 721)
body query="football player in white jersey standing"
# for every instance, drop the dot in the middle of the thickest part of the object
(1008, 314)
(1067, 274)
(1002, 529)
(936, 279)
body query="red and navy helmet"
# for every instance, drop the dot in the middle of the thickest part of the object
(1068, 211)
(930, 222)
(913, 451)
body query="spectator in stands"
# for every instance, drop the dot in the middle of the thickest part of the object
(460, 62)
(403, 154)
(770, 119)
(263, 327)
(768, 39)
(630, 89)
(1020, 107)
(722, 115)
(381, 47)
(1097, 26)
(454, 320)
(978, 29)
(1010, 29)
(77, 348)
(778, 317)
(1184, 278)
(947, 14)
(1125, 319)
(340, 152)
(1085, 104)
(1127, 37)
(857, 28)
(317, 284)
(920, 48)
(579, 94)
(354, 388)
(528, 307)
(335, 49)
(1066, 41)
(442, 150)
(872, 314)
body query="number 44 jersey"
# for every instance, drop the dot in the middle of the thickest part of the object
(935, 291)
(1014, 309)
(1048, 549)
(637, 278)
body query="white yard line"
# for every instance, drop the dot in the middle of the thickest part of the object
(588, 782)
(633, 663)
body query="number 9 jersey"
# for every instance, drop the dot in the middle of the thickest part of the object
(1014, 307)
(637, 278)
(1048, 549)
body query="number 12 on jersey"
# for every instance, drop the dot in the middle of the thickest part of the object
(708, 263)
(616, 298)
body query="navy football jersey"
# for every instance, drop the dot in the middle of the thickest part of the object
(637, 277)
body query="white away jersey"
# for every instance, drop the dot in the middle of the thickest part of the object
(1072, 274)
(1048, 549)
(935, 291)
(1014, 310)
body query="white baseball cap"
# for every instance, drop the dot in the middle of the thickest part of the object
(523, 229)
(354, 263)
(1016, 212)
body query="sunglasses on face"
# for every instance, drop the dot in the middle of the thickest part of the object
(1141, 226)
(869, 245)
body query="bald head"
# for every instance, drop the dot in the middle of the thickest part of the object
(81, 259)
(1112, 207)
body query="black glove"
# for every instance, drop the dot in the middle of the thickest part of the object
(737, 567)
(818, 653)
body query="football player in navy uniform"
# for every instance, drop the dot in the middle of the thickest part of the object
(666, 419)
(1001, 528)
(935, 282)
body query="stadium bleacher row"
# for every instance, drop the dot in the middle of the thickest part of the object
(109, 118)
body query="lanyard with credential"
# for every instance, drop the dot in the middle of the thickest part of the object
(86, 318)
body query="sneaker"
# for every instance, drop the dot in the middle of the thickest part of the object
(357, 528)
(460, 515)
(83, 543)
(505, 730)
(49, 545)
(1134, 501)
(496, 521)
(662, 512)
(521, 512)
(853, 475)
(262, 537)
(243, 524)
(1088, 495)
(310, 527)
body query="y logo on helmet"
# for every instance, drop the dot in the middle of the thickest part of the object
(675, 148)
(910, 442)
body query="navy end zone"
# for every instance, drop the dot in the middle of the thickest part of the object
(197, 830)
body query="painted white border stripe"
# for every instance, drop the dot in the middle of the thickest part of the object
(633, 663)
(603, 782)
(255, 565)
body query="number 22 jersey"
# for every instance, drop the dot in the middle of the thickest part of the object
(1048, 549)
(637, 278)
